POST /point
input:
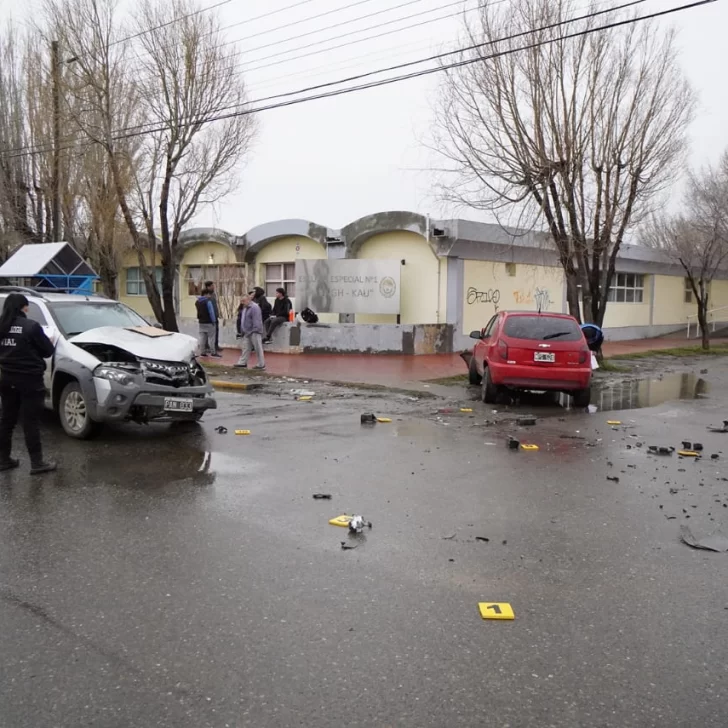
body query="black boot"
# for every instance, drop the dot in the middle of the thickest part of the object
(8, 464)
(42, 467)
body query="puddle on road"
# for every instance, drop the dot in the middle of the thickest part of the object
(642, 393)
(615, 396)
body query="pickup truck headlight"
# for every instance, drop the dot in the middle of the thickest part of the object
(113, 374)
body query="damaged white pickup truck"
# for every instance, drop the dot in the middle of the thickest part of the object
(110, 365)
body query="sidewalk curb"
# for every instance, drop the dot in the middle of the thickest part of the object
(235, 386)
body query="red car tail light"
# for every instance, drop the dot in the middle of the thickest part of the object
(584, 355)
(503, 350)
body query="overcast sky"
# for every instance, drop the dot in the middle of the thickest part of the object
(332, 161)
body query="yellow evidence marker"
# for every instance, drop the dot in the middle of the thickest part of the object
(342, 521)
(305, 399)
(383, 420)
(242, 432)
(496, 610)
(688, 453)
(614, 423)
(530, 447)
(466, 409)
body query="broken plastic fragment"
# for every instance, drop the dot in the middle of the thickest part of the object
(357, 524)
(342, 521)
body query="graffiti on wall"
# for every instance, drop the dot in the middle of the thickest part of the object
(492, 295)
(538, 298)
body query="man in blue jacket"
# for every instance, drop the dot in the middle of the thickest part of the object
(207, 320)
(250, 327)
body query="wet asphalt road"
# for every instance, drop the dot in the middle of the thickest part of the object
(181, 578)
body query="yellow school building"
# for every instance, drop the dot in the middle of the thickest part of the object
(454, 274)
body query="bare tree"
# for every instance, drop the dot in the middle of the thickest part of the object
(25, 178)
(154, 90)
(697, 239)
(230, 285)
(581, 134)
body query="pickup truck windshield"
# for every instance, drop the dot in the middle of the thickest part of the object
(75, 317)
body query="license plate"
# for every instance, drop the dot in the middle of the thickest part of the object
(546, 356)
(177, 404)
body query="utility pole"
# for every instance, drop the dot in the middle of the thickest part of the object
(56, 193)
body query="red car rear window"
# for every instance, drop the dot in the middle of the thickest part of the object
(542, 328)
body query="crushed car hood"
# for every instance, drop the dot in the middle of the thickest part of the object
(163, 346)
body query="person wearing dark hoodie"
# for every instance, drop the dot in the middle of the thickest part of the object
(259, 297)
(207, 320)
(23, 349)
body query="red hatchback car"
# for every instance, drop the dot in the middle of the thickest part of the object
(524, 350)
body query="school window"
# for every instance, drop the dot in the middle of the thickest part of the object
(280, 275)
(688, 291)
(135, 285)
(627, 288)
(229, 279)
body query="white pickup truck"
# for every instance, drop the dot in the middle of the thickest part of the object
(110, 365)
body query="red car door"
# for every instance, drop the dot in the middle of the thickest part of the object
(483, 347)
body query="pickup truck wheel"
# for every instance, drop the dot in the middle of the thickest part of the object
(73, 413)
(582, 398)
(473, 376)
(490, 391)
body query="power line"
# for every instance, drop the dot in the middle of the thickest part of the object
(364, 30)
(239, 53)
(440, 56)
(420, 47)
(280, 27)
(319, 30)
(424, 72)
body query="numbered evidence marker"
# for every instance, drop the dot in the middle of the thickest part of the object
(242, 432)
(530, 447)
(614, 423)
(496, 610)
(383, 420)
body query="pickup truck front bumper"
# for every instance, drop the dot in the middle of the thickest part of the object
(117, 402)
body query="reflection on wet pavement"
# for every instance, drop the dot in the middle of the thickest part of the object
(641, 393)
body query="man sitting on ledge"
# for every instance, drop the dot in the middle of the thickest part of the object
(282, 308)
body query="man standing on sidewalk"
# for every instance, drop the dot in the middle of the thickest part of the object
(210, 286)
(250, 327)
(206, 319)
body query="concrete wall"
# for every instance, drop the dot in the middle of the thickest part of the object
(347, 338)
(489, 287)
(419, 282)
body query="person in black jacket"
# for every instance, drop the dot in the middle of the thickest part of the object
(282, 308)
(266, 309)
(23, 348)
